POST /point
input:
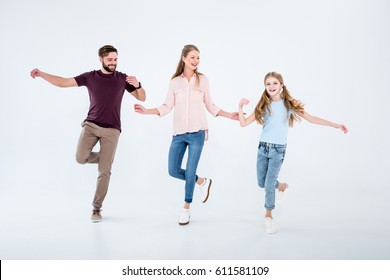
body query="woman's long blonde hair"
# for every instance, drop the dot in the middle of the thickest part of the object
(263, 106)
(180, 66)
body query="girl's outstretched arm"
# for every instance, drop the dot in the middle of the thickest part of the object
(319, 121)
(142, 110)
(241, 116)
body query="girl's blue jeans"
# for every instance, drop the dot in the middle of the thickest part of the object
(269, 161)
(194, 141)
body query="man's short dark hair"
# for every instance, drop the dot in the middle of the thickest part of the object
(105, 50)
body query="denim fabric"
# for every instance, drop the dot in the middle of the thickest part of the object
(194, 141)
(269, 161)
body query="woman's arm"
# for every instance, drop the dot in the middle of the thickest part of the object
(162, 110)
(142, 110)
(232, 115)
(241, 116)
(320, 121)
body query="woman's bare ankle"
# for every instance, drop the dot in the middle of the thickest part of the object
(200, 181)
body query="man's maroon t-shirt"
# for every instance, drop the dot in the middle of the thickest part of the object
(105, 96)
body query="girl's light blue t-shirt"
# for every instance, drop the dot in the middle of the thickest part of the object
(275, 128)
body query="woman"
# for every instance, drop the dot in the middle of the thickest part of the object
(189, 94)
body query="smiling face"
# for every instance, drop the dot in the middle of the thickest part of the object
(273, 87)
(109, 62)
(191, 61)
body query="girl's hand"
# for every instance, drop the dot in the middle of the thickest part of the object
(35, 73)
(343, 128)
(243, 102)
(139, 108)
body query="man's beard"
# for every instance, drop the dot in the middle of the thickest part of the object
(107, 67)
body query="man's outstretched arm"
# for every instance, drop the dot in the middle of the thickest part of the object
(55, 80)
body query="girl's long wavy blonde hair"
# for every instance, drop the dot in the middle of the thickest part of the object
(180, 66)
(263, 106)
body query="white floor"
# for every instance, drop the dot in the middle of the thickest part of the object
(51, 221)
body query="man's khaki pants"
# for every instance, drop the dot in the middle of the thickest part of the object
(108, 138)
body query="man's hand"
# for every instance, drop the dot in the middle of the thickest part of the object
(35, 73)
(132, 80)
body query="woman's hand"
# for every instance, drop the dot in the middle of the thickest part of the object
(234, 116)
(139, 109)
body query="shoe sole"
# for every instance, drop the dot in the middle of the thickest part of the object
(183, 224)
(95, 221)
(208, 191)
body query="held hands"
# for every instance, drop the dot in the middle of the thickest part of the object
(233, 116)
(132, 80)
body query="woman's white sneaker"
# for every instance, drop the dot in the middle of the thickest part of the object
(184, 218)
(205, 189)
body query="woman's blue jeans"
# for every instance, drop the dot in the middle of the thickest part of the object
(194, 142)
(269, 161)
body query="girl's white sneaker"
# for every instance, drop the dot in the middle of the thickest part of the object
(270, 225)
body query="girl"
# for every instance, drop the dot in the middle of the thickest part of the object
(276, 111)
(189, 94)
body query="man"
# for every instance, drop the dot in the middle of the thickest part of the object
(106, 89)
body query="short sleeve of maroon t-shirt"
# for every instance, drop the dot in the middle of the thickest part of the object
(105, 95)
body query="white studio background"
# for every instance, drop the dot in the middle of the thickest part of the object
(333, 56)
